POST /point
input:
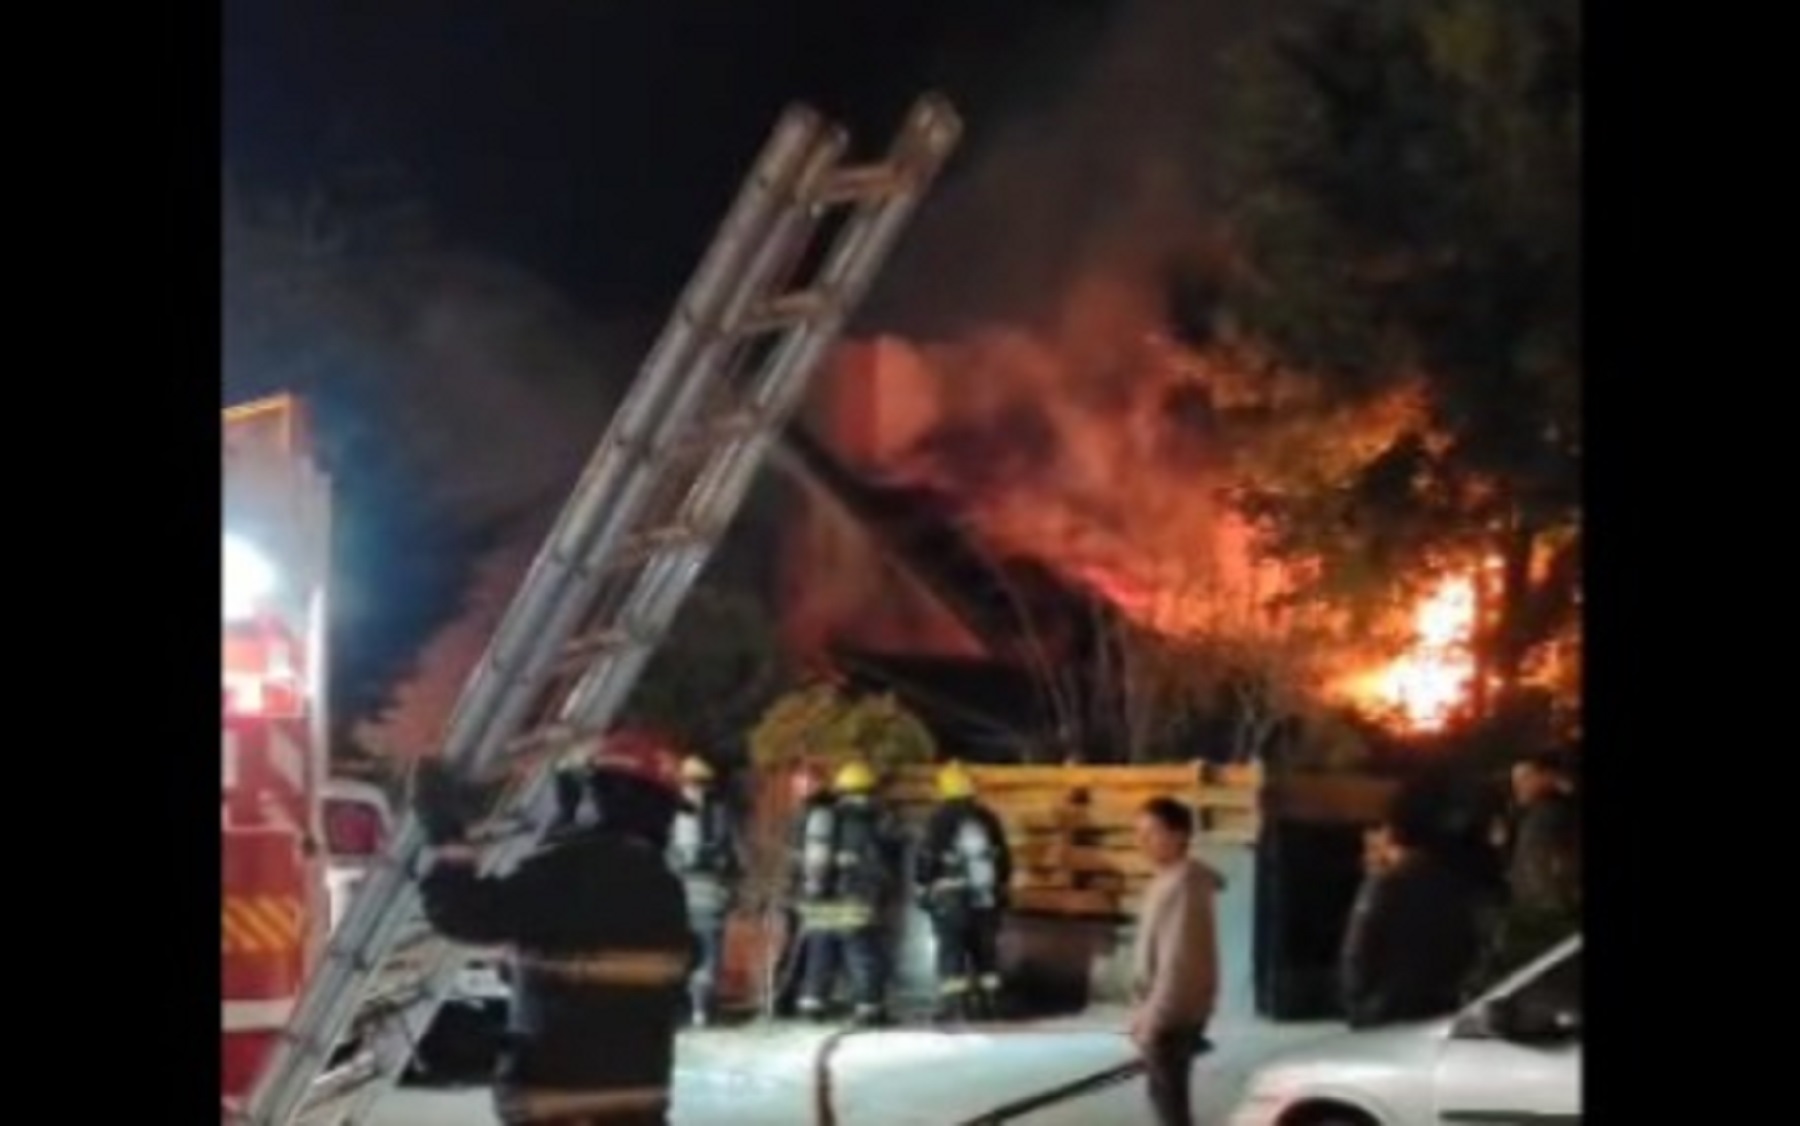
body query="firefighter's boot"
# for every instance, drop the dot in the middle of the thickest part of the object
(868, 1016)
(985, 998)
(952, 1002)
(700, 1007)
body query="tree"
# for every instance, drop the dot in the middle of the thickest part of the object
(821, 724)
(718, 670)
(1405, 207)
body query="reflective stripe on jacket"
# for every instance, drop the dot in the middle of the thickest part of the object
(599, 931)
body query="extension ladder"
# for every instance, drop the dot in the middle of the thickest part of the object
(656, 496)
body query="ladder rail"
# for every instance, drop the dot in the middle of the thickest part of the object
(727, 319)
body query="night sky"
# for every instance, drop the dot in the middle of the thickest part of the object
(596, 142)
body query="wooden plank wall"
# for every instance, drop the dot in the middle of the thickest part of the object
(1071, 832)
(1071, 826)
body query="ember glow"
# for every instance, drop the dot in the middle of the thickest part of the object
(1426, 686)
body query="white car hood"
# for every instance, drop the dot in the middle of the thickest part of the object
(1359, 1060)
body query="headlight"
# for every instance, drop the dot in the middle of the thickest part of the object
(249, 577)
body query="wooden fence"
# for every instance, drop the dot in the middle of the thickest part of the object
(1070, 827)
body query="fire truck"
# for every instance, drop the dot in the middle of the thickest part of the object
(274, 901)
(296, 841)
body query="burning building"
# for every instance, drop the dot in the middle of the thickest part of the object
(1039, 509)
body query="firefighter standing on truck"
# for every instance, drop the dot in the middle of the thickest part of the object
(847, 861)
(963, 870)
(704, 852)
(599, 934)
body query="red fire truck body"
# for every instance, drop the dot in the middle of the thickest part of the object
(274, 907)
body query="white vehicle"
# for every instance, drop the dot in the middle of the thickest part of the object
(358, 820)
(1514, 1056)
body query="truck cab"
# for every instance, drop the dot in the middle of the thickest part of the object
(357, 823)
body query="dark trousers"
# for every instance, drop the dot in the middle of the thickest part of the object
(968, 951)
(860, 951)
(790, 964)
(1168, 1068)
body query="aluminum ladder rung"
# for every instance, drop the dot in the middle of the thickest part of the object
(642, 547)
(555, 736)
(567, 653)
(581, 653)
(785, 311)
(864, 183)
(710, 433)
(332, 1090)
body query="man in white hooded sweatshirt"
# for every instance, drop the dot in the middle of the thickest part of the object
(1176, 963)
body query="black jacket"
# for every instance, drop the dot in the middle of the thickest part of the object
(1546, 854)
(1413, 940)
(963, 860)
(599, 932)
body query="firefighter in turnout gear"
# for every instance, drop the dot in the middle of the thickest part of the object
(703, 851)
(846, 850)
(808, 790)
(963, 869)
(598, 933)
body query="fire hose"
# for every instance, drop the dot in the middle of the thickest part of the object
(825, 1114)
(783, 971)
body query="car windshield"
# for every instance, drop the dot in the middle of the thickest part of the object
(352, 829)
(1555, 994)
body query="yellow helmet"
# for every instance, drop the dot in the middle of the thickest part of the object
(696, 769)
(954, 781)
(854, 778)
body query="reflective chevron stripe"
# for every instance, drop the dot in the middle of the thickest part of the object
(260, 924)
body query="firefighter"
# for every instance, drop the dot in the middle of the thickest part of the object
(963, 870)
(847, 862)
(704, 853)
(809, 794)
(600, 943)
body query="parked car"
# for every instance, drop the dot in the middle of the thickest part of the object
(465, 1035)
(1512, 1056)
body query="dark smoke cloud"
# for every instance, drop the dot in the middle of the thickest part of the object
(487, 383)
(513, 386)
(1108, 175)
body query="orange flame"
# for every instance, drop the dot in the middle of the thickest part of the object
(1098, 446)
(1426, 687)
